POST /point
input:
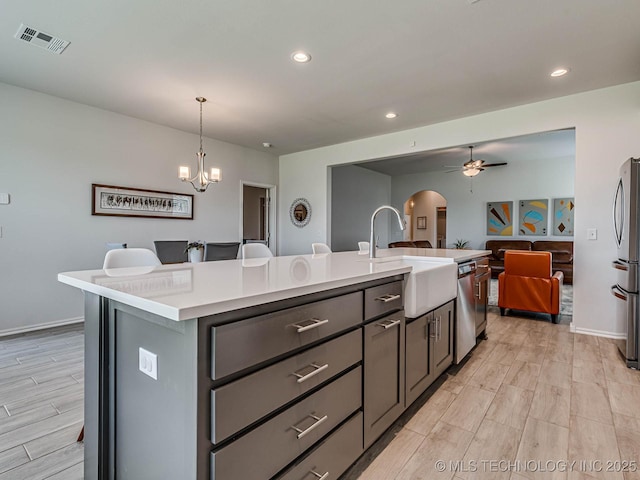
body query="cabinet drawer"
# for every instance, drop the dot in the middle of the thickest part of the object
(382, 299)
(239, 345)
(264, 451)
(250, 398)
(333, 456)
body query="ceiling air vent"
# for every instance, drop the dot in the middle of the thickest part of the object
(41, 39)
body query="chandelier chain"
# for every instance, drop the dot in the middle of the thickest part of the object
(201, 126)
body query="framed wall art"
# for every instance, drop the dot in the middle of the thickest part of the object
(421, 223)
(500, 218)
(533, 216)
(109, 200)
(563, 210)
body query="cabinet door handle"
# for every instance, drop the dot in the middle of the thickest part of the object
(318, 369)
(318, 476)
(432, 327)
(318, 421)
(387, 298)
(439, 328)
(391, 323)
(315, 323)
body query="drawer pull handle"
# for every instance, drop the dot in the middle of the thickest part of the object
(387, 298)
(389, 324)
(318, 421)
(318, 476)
(318, 369)
(315, 323)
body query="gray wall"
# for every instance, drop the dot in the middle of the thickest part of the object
(355, 193)
(51, 151)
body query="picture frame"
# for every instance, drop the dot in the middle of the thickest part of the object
(533, 217)
(114, 201)
(563, 213)
(500, 218)
(421, 223)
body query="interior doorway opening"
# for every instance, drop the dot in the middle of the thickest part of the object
(426, 216)
(258, 214)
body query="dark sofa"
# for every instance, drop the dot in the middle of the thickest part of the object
(561, 251)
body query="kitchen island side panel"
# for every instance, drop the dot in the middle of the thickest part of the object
(155, 421)
(136, 427)
(93, 320)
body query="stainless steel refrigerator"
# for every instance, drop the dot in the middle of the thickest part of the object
(626, 227)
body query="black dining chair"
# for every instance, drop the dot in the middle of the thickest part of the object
(221, 251)
(171, 251)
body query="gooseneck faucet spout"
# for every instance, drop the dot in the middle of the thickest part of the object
(372, 237)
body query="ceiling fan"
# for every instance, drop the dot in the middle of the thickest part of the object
(473, 167)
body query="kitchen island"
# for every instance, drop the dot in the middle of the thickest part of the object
(257, 368)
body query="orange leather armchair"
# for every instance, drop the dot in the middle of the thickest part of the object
(527, 283)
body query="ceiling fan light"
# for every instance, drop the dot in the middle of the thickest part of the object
(471, 172)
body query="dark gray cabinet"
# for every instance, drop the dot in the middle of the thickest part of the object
(384, 359)
(269, 390)
(442, 338)
(429, 349)
(419, 366)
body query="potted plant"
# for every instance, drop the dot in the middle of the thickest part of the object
(461, 244)
(195, 251)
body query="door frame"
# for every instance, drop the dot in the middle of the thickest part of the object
(273, 210)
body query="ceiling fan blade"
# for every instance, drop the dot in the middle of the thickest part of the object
(494, 164)
(449, 171)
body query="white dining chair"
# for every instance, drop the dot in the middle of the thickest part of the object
(256, 250)
(130, 257)
(320, 248)
(363, 247)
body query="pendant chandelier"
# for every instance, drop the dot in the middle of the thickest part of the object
(202, 179)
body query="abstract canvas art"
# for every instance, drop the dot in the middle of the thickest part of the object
(563, 209)
(500, 218)
(533, 216)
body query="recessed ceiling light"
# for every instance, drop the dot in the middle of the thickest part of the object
(266, 145)
(301, 57)
(391, 115)
(559, 72)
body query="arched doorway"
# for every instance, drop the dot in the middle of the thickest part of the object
(426, 215)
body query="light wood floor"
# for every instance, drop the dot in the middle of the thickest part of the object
(529, 396)
(41, 405)
(531, 393)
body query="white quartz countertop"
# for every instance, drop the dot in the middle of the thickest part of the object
(189, 290)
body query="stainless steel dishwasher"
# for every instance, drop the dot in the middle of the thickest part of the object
(465, 310)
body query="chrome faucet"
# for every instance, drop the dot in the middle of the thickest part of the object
(372, 237)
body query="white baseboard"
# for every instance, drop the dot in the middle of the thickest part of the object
(596, 333)
(42, 326)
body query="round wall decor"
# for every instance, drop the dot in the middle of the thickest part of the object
(300, 212)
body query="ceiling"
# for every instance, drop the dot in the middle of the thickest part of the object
(429, 61)
(526, 148)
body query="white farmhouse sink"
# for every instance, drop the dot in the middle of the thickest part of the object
(429, 285)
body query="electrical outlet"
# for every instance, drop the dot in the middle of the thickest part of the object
(148, 363)
(592, 233)
(4, 199)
